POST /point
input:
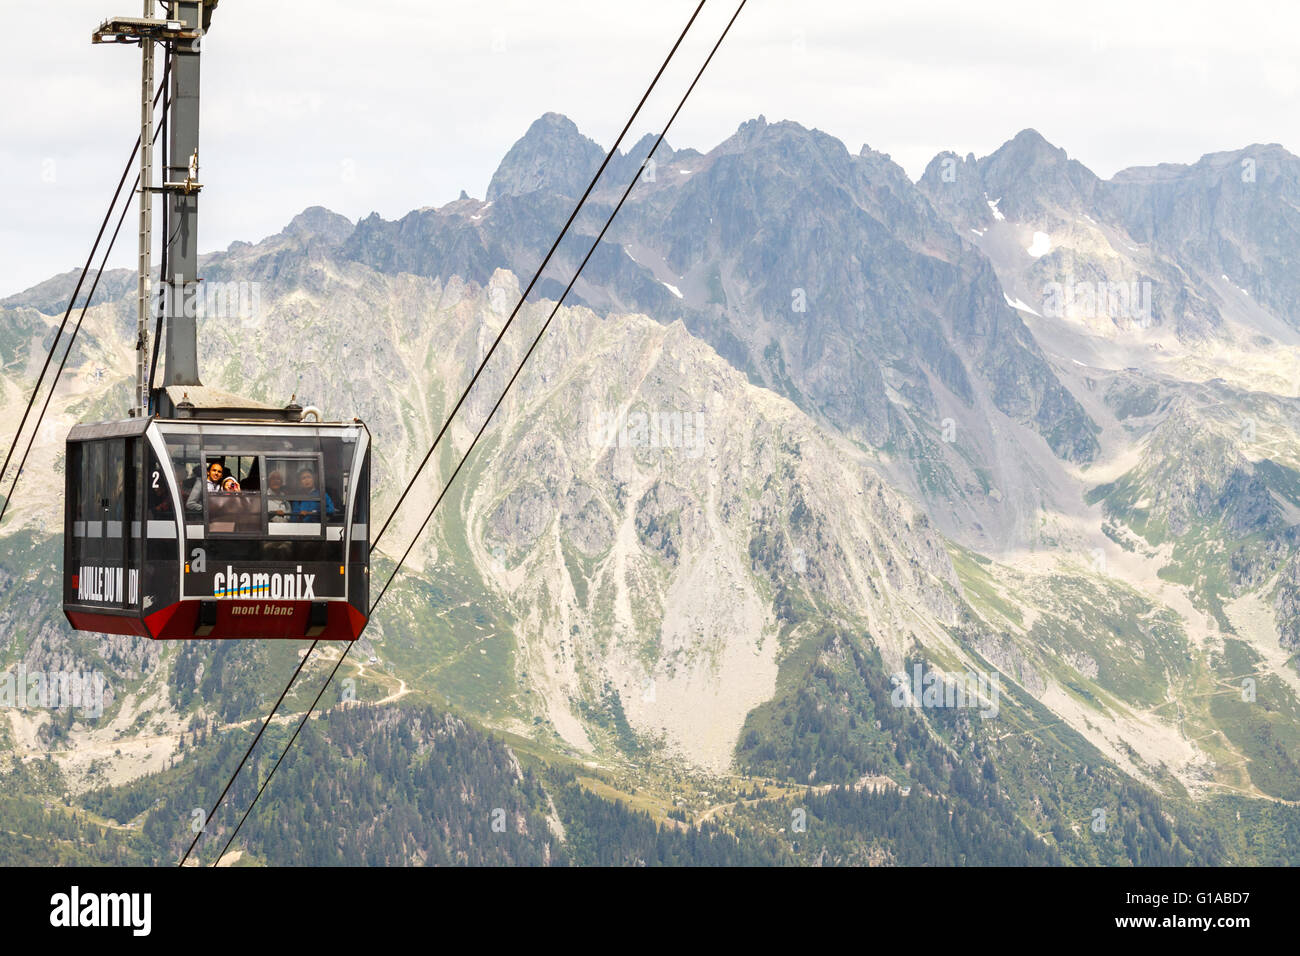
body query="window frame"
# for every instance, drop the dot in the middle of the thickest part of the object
(264, 518)
(319, 459)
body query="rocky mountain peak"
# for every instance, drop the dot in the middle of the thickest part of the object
(1033, 176)
(552, 155)
(317, 222)
(1259, 162)
(1026, 179)
(1030, 147)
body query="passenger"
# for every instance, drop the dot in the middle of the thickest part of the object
(310, 510)
(277, 506)
(212, 485)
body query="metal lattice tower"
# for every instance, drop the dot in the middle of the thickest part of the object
(182, 32)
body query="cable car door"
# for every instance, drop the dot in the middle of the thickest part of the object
(107, 539)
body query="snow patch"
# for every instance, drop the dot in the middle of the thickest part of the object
(1041, 246)
(993, 205)
(671, 288)
(979, 232)
(1017, 304)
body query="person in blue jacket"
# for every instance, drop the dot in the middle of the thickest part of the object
(309, 510)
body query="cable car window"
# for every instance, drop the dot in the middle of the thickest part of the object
(361, 517)
(248, 467)
(132, 528)
(337, 454)
(278, 474)
(235, 512)
(157, 492)
(296, 498)
(74, 479)
(336, 499)
(114, 486)
(184, 452)
(89, 512)
(232, 508)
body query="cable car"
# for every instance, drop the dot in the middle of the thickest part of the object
(205, 515)
(218, 523)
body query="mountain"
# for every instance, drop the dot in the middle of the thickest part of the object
(798, 441)
(826, 277)
(1231, 214)
(1161, 298)
(552, 156)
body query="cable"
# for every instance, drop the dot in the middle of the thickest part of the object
(627, 192)
(72, 303)
(465, 457)
(483, 364)
(72, 340)
(276, 766)
(266, 723)
(537, 275)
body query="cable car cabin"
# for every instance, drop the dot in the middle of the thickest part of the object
(186, 528)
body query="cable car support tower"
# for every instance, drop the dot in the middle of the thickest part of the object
(205, 514)
(182, 32)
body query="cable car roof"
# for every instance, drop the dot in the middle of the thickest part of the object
(204, 402)
(199, 406)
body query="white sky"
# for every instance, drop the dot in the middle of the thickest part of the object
(400, 104)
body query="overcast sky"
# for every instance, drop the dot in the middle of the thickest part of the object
(396, 105)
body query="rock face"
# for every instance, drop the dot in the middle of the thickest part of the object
(1234, 214)
(793, 390)
(1210, 237)
(317, 222)
(552, 155)
(1191, 476)
(824, 276)
(653, 507)
(640, 511)
(1027, 179)
(1166, 298)
(862, 290)
(1286, 604)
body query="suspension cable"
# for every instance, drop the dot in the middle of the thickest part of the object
(266, 723)
(479, 371)
(276, 766)
(537, 275)
(608, 222)
(72, 304)
(306, 716)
